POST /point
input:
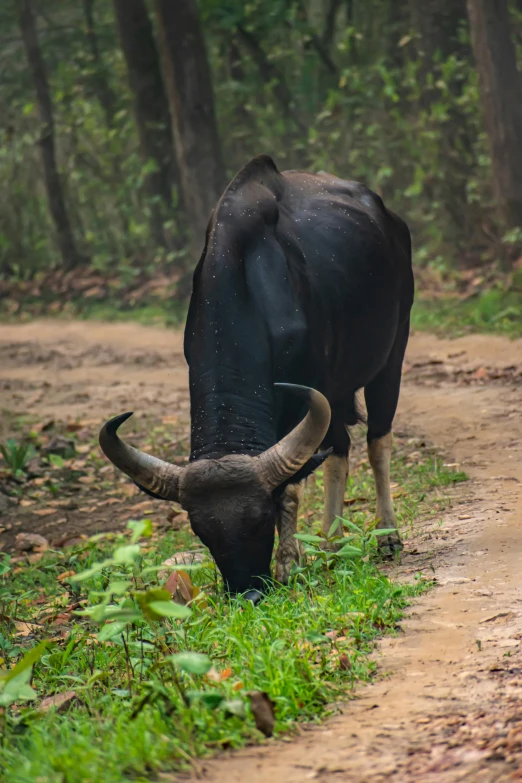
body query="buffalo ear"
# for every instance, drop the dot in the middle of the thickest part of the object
(308, 468)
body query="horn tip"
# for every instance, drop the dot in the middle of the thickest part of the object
(111, 427)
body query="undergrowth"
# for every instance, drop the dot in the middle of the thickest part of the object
(494, 311)
(154, 684)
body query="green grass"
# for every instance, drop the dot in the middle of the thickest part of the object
(306, 645)
(494, 311)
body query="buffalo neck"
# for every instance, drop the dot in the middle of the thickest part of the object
(232, 412)
(228, 351)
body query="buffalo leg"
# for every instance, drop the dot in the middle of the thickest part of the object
(335, 477)
(382, 396)
(289, 549)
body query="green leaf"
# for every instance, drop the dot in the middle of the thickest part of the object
(110, 630)
(210, 699)
(176, 567)
(192, 662)
(5, 565)
(234, 707)
(16, 690)
(156, 594)
(349, 551)
(170, 609)
(352, 526)
(335, 527)
(117, 587)
(308, 539)
(121, 614)
(141, 528)
(146, 599)
(29, 659)
(96, 568)
(383, 531)
(126, 554)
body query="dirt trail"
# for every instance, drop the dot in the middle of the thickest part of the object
(450, 706)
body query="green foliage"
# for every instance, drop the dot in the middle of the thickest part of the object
(363, 104)
(151, 690)
(494, 310)
(16, 455)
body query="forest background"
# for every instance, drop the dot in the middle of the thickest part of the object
(122, 121)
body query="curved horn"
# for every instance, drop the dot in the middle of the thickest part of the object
(285, 458)
(153, 474)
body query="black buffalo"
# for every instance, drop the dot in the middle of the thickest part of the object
(301, 297)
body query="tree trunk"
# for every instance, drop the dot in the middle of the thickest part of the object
(333, 9)
(100, 82)
(151, 108)
(315, 41)
(501, 96)
(189, 85)
(71, 256)
(437, 23)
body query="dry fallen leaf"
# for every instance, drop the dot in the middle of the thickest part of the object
(61, 701)
(262, 708)
(344, 663)
(26, 629)
(69, 540)
(65, 575)
(24, 542)
(180, 587)
(44, 512)
(43, 426)
(144, 506)
(177, 519)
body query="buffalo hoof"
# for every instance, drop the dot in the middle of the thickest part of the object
(254, 596)
(389, 546)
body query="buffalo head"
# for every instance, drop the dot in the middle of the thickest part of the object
(231, 501)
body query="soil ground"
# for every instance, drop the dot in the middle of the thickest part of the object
(448, 706)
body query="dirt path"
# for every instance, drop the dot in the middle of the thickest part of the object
(450, 708)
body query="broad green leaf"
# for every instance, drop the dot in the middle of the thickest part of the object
(176, 567)
(335, 527)
(141, 528)
(29, 659)
(5, 565)
(146, 599)
(234, 707)
(349, 551)
(170, 609)
(211, 699)
(352, 526)
(95, 569)
(122, 692)
(192, 662)
(388, 531)
(308, 538)
(118, 587)
(56, 461)
(17, 690)
(126, 554)
(121, 614)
